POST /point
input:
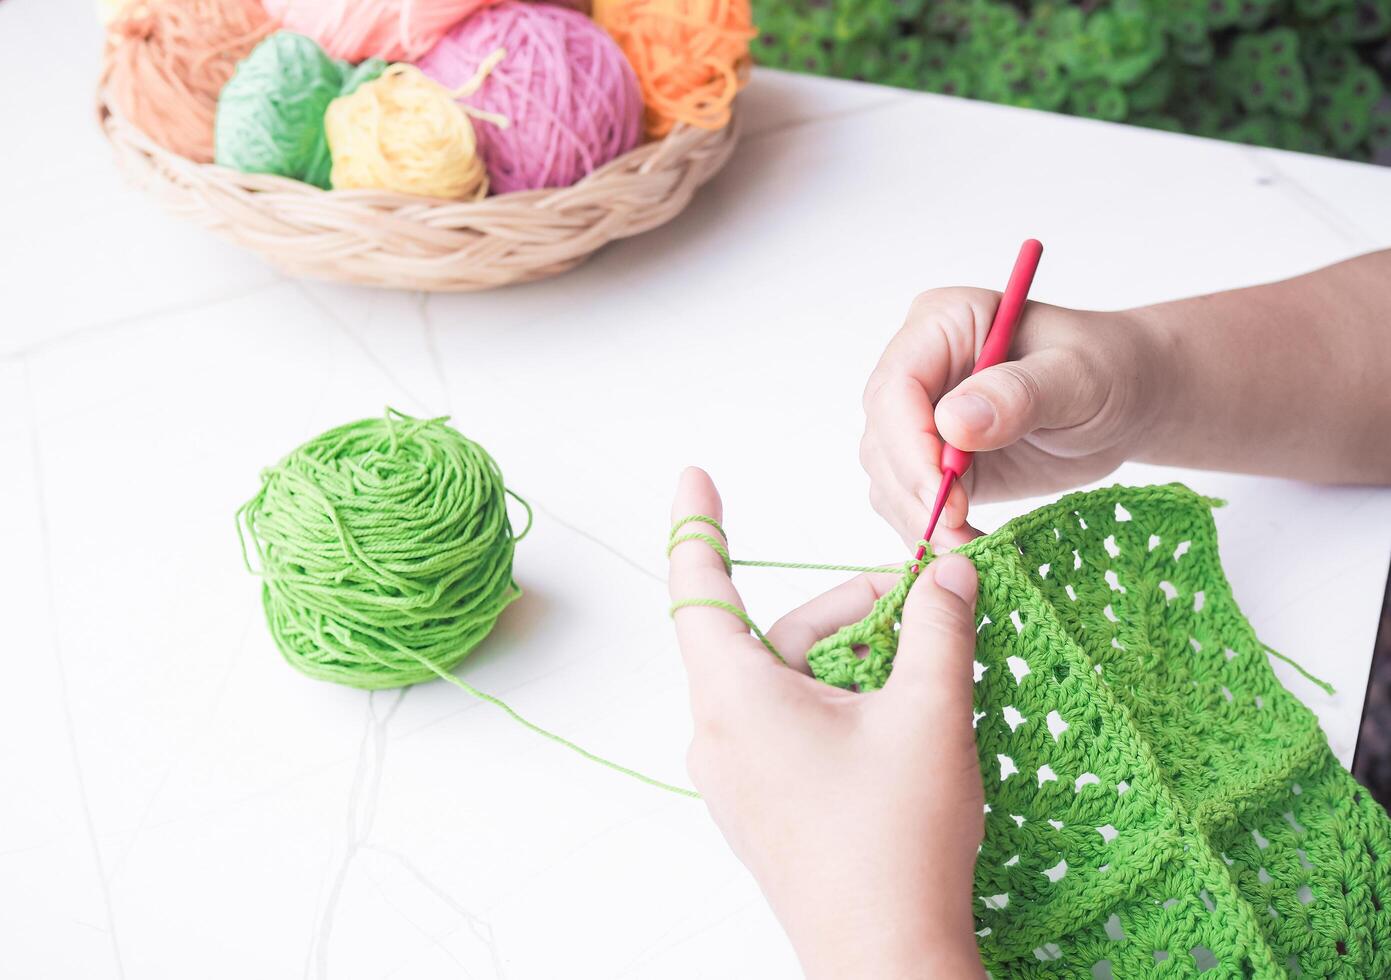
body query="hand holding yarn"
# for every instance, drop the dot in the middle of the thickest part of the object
(859, 815)
(569, 93)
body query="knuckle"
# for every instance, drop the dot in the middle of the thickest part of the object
(946, 622)
(697, 762)
(930, 300)
(924, 485)
(867, 445)
(943, 614)
(872, 386)
(939, 296)
(1019, 385)
(886, 393)
(878, 498)
(710, 730)
(697, 580)
(712, 744)
(927, 299)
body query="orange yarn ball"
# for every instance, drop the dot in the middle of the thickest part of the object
(691, 56)
(166, 62)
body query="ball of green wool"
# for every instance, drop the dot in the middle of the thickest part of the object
(385, 551)
(270, 115)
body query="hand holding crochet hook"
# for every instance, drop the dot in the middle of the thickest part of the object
(884, 747)
(859, 813)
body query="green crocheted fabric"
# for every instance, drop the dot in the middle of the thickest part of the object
(1158, 805)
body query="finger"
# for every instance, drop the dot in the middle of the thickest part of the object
(696, 498)
(937, 342)
(906, 436)
(947, 538)
(698, 572)
(936, 643)
(1048, 389)
(936, 347)
(907, 514)
(847, 603)
(903, 511)
(697, 564)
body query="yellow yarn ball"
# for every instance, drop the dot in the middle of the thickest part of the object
(404, 132)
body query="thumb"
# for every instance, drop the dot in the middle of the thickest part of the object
(1048, 389)
(938, 638)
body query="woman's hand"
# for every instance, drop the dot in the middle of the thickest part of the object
(859, 814)
(1067, 408)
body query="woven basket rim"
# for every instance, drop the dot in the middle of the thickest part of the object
(385, 238)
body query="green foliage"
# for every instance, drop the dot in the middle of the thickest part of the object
(1299, 74)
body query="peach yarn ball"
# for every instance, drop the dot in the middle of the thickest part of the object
(166, 62)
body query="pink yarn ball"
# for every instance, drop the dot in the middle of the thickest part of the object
(569, 93)
(354, 30)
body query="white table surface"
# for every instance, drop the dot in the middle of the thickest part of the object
(180, 803)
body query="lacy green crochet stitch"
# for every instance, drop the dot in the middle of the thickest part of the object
(1158, 805)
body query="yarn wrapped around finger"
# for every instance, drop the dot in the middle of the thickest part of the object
(691, 56)
(166, 61)
(385, 551)
(396, 30)
(570, 95)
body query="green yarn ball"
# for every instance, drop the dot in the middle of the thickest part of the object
(385, 551)
(270, 115)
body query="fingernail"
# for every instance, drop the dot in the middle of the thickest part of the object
(957, 575)
(972, 411)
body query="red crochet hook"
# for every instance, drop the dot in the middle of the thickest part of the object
(992, 352)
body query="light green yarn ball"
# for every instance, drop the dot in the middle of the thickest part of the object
(270, 115)
(385, 551)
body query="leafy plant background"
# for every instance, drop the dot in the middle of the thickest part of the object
(1306, 75)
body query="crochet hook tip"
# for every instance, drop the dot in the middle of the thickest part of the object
(948, 478)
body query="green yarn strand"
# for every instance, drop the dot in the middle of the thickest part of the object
(734, 611)
(675, 537)
(813, 567)
(561, 740)
(714, 544)
(1316, 681)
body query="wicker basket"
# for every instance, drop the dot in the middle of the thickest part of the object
(378, 238)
